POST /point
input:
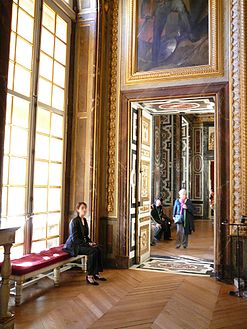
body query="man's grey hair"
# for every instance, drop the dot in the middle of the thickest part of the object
(182, 191)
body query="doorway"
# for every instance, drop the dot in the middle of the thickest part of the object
(172, 147)
(126, 224)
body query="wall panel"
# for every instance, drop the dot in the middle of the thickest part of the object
(85, 129)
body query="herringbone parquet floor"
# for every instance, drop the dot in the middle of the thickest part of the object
(201, 243)
(131, 299)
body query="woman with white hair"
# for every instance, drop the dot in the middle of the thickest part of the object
(183, 218)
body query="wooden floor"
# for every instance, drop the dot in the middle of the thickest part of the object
(201, 243)
(131, 299)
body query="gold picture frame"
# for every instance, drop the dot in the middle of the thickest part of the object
(213, 68)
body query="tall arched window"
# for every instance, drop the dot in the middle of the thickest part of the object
(34, 152)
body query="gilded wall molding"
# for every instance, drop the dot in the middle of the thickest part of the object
(235, 111)
(111, 179)
(243, 91)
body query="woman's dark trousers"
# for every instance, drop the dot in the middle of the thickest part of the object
(94, 261)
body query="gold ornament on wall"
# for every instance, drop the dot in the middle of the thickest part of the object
(113, 111)
(238, 112)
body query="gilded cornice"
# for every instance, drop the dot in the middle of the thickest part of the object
(203, 119)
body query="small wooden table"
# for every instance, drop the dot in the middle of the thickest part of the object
(7, 238)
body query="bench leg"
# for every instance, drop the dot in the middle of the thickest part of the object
(84, 263)
(56, 272)
(18, 292)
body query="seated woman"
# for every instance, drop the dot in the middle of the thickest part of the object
(160, 221)
(79, 243)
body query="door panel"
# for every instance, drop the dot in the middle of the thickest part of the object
(143, 185)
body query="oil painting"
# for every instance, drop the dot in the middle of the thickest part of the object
(172, 34)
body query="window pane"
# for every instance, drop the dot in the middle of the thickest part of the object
(5, 170)
(55, 176)
(6, 139)
(22, 80)
(59, 74)
(45, 68)
(16, 201)
(54, 200)
(17, 171)
(41, 173)
(17, 222)
(39, 227)
(9, 108)
(48, 19)
(60, 51)
(1, 253)
(56, 150)
(19, 235)
(47, 42)
(40, 200)
(16, 252)
(4, 201)
(12, 46)
(43, 121)
(19, 141)
(14, 17)
(28, 5)
(61, 29)
(52, 243)
(20, 112)
(53, 224)
(58, 98)
(38, 246)
(42, 147)
(25, 25)
(44, 91)
(57, 122)
(24, 53)
(10, 75)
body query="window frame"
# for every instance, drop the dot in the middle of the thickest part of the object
(54, 6)
(66, 13)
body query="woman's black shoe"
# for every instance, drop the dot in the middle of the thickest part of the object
(94, 283)
(97, 277)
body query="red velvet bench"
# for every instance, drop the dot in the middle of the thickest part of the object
(47, 263)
